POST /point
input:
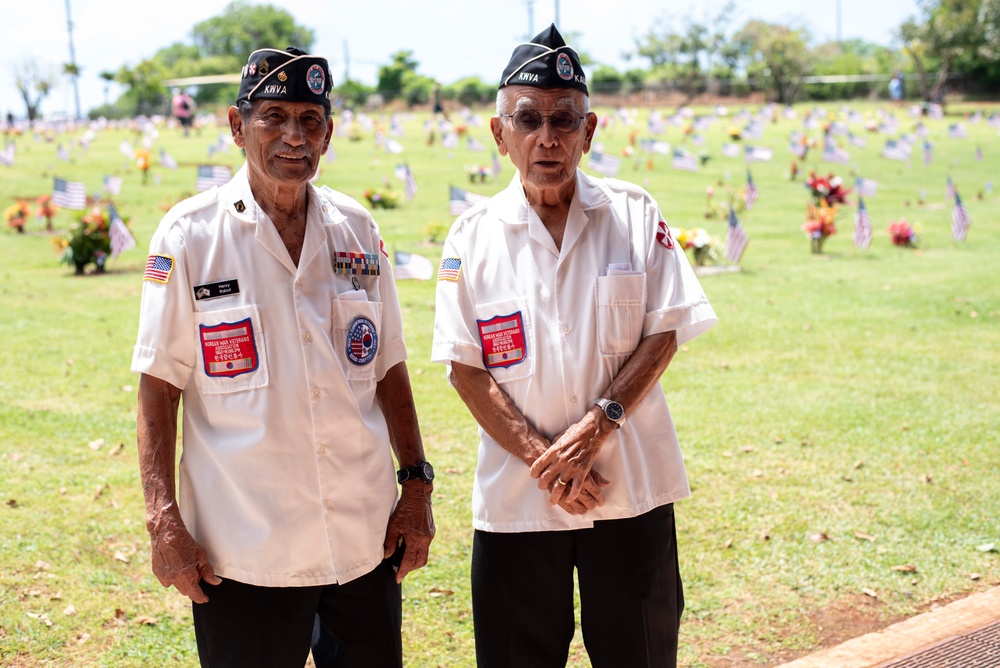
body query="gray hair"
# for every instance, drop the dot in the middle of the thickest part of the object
(506, 100)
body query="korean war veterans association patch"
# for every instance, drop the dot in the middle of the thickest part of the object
(158, 268)
(450, 268)
(502, 338)
(362, 341)
(354, 262)
(229, 348)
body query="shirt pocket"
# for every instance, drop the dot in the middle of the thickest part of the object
(504, 332)
(231, 350)
(356, 333)
(621, 312)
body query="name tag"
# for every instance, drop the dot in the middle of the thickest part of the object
(213, 290)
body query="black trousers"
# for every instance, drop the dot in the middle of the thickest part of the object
(245, 626)
(631, 597)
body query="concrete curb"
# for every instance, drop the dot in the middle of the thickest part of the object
(909, 636)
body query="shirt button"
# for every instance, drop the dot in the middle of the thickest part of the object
(321, 449)
(308, 337)
(573, 398)
(328, 505)
(315, 391)
(298, 283)
(566, 329)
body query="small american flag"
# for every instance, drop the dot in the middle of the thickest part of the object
(7, 156)
(736, 238)
(496, 166)
(210, 176)
(166, 160)
(752, 193)
(979, 153)
(62, 153)
(69, 194)
(685, 160)
(449, 269)
(331, 155)
(757, 154)
(112, 185)
(404, 174)
(950, 188)
(474, 144)
(158, 268)
(895, 150)
(605, 164)
(121, 239)
(862, 226)
(957, 131)
(928, 152)
(866, 187)
(833, 153)
(460, 200)
(959, 220)
(731, 150)
(856, 140)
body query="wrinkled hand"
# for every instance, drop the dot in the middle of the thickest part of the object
(589, 498)
(180, 561)
(412, 522)
(569, 460)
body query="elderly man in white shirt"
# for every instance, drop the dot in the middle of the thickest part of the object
(560, 303)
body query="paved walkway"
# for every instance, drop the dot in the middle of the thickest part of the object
(962, 634)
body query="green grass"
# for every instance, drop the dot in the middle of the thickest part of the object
(848, 392)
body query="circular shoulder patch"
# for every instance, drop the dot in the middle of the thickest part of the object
(564, 67)
(362, 341)
(316, 79)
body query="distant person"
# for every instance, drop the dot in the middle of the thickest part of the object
(10, 119)
(269, 315)
(438, 105)
(896, 88)
(182, 106)
(560, 303)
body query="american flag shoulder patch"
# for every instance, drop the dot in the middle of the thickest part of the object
(450, 268)
(158, 268)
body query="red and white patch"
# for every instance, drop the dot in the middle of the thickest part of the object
(502, 338)
(229, 348)
(663, 235)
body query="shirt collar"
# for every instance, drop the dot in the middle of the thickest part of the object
(590, 194)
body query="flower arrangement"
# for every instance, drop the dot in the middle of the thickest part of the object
(829, 188)
(902, 234)
(704, 247)
(89, 241)
(820, 224)
(142, 161)
(380, 199)
(477, 173)
(46, 209)
(826, 192)
(16, 215)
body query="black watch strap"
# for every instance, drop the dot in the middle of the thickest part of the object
(422, 471)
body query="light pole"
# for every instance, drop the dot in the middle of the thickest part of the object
(72, 61)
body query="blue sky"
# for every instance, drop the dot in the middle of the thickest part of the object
(449, 38)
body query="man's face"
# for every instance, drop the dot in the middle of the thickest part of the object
(284, 141)
(546, 158)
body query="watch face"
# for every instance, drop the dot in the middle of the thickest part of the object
(614, 411)
(428, 471)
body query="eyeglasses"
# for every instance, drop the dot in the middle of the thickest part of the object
(530, 120)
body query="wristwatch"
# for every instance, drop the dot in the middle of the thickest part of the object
(613, 410)
(423, 471)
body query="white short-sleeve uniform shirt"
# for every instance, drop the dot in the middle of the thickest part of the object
(286, 473)
(554, 327)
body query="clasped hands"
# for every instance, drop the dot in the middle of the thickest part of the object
(566, 470)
